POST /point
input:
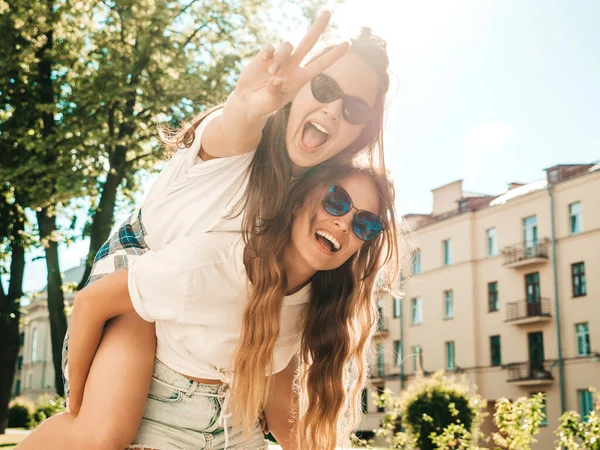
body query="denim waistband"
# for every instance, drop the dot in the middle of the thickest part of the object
(166, 375)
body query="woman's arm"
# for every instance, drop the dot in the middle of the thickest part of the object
(94, 305)
(281, 408)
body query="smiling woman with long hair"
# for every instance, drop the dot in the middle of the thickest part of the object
(339, 321)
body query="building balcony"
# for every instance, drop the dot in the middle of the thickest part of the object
(383, 328)
(520, 255)
(524, 311)
(530, 374)
(384, 371)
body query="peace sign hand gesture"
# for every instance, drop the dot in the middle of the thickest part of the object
(274, 76)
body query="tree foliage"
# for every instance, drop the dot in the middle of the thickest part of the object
(433, 404)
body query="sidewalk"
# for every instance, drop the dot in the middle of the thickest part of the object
(12, 437)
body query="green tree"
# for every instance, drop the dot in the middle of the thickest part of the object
(518, 422)
(433, 404)
(575, 432)
(37, 148)
(12, 261)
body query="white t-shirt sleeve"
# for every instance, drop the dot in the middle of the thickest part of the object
(158, 285)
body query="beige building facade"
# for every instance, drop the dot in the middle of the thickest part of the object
(503, 290)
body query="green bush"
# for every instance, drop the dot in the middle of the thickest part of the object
(433, 405)
(45, 407)
(19, 413)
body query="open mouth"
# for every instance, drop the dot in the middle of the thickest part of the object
(314, 135)
(328, 241)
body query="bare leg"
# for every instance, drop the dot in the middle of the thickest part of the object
(115, 393)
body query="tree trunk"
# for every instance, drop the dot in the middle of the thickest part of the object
(102, 221)
(103, 217)
(56, 301)
(9, 323)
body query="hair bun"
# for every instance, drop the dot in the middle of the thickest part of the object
(366, 32)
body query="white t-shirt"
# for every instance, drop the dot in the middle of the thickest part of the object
(193, 196)
(196, 289)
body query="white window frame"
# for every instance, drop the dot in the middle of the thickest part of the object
(449, 304)
(578, 215)
(492, 242)
(416, 311)
(583, 339)
(450, 355)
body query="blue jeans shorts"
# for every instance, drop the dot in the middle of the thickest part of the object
(184, 414)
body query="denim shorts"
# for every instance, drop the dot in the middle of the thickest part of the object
(184, 414)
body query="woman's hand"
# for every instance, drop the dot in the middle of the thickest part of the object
(274, 76)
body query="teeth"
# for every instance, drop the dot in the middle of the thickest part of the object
(330, 238)
(320, 128)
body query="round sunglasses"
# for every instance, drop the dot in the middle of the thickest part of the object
(355, 110)
(365, 224)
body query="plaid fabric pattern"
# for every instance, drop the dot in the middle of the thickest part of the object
(126, 244)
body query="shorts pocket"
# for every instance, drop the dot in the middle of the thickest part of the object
(163, 392)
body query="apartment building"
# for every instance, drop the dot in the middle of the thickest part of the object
(502, 290)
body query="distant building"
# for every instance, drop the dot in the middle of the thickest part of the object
(35, 369)
(481, 297)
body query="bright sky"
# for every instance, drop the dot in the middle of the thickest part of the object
(485, 91)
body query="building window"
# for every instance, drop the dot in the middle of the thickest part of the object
(493, 296)
(397, 307)
(380, 319)
(18, 388)
(380, 365)
(30, 381)
(417, 262)
(495, 350)
(492, 244)
(554, 176)
(544, 420)
(586, 402)
(578, 279)
(447, 246)
(532, 289)
(417, 358)
(20, 363)
(34, 344)
(462, 205)
(449, 304)
(22, 339)
(398, 348)
(417, 311)
(583, 339)
(363, 401)
(450, 356)
(576, 217)
(530, 232)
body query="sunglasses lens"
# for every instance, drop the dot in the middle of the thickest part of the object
(366, 225)
(356, 112)
(337, 202)
(324, 89)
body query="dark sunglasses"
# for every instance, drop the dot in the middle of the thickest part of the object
(365, 224)
(355, 110)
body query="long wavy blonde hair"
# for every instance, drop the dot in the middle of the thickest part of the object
(339, 322)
